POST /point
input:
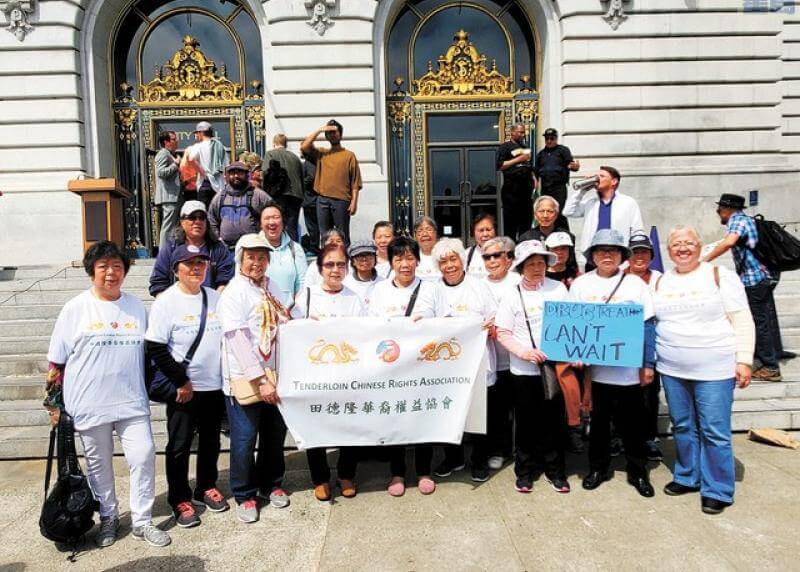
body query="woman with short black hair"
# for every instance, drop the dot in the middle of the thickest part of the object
(484, 227)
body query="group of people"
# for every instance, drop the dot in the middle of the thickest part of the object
(224, 286)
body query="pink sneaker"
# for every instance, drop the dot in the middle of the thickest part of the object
(397, 487)
(426, 485)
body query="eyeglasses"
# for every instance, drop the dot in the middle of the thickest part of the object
(332, 265)
(195, 217)
(494, 255)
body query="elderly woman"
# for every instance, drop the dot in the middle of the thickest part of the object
(328, 300)
(97, 365)
(333, 236)
(406, 295)
(194, 230)
(287, 262)
(616, 391)
(250, 312)
(363, 275)
(382, 235)
(539, 422)
(465, 296)
(484, 227)
(426, 233)
(194, 369)
(705, 339)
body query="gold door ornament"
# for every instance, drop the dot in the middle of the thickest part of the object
(191, 77)
(462, 71)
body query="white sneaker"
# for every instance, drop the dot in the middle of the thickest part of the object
(496, 462)
(151, 534)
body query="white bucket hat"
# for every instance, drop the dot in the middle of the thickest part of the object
(250, 241)
(525, 250)
(557, 239)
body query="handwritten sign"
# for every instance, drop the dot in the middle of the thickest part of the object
(599, 334)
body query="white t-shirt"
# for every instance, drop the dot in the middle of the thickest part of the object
(384, 269)
(591, 287)
(363, 289)
(500, 290)
(201, 154)
(313, 277)
(428, 268)
(510, 316)
(175, 320)
(239, 308)
(324, 304)
(102, 345)
(476, 268)
(390, 301)
(694, 338)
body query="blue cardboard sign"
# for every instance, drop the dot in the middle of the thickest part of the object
(599, 334)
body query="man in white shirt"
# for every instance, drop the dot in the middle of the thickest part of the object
(605, 207)
(210, 159)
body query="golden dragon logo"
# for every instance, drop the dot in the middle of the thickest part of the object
(443, 350)
(324, 353)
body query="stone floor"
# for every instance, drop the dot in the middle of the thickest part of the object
(463, 526)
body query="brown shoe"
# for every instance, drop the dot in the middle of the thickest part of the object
(322, 492)
(767, 374)
(348, 488)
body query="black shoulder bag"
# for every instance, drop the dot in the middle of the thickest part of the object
(413, 300)
(160, 387)
(68, 510)
(550, 384)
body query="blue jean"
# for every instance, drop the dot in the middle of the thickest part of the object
(701, 425)
(263, 422)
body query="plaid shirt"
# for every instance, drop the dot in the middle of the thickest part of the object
(750, 270)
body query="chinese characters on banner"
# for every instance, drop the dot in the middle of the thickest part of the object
(372, 381)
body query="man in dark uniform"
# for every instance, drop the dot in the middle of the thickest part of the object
(514, 160)
(553, 164)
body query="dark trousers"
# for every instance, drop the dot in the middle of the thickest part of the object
(321, 471)
(312, 225)
(540, 429)
(262, 422)
(423, 456)
(291, 214)
(205, 193)
(762, 306)
(651, 402)
(773, 284)
(333, 213)
(517, 207)
(623, 405)
(201, 415)
(559, 193)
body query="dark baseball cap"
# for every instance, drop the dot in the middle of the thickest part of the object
(237, 165)
(184, 252)
(550, 132)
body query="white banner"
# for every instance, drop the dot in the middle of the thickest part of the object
(373, 381)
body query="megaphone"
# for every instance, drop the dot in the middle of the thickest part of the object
(586, 184)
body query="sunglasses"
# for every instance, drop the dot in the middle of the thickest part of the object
(494, 255)
(195, 217)
(332, 265)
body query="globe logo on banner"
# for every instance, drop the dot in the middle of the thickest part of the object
(388, 351)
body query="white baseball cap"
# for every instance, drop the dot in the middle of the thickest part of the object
(203, 126)
(190, 207)
(525, 250)
(557, 239)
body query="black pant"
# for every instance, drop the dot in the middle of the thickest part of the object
(559, 192)
(291, 214)
(623, 404)
(651, 401)
(540, 429)
(423, 456)
(333, 213)
(321, 471)
(773, 284)
(500, 411)
(762, 306)
(517, 207)
(312, 226)
(205, 193)
(202, 414)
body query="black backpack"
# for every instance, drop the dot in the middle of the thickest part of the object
(68, 511)
(776, 248)
(276, 180)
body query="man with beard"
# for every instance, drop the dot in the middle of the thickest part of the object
(514, 160)
(236, 210)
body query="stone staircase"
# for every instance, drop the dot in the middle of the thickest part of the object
(30, 303)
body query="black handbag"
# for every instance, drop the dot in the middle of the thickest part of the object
(160, 388)
(68, 510)
(550, 383)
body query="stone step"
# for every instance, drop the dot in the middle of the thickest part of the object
(54, 284)
(25, 364)
(29, 412)
(139, 267)
(59, 297)
(21, 346)
(15, 387)
(40, 311)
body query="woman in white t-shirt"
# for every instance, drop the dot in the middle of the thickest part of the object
(363, 275)
(250, 312)
(617, 391)
(498, 256)
(332, 236)
(426, 233)
(327, 300)
(466, 296)
(705, 340)
(405, 295)
(540, 424)
(97, 360)
(484, 227)
(382, 235)
(198, 403)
